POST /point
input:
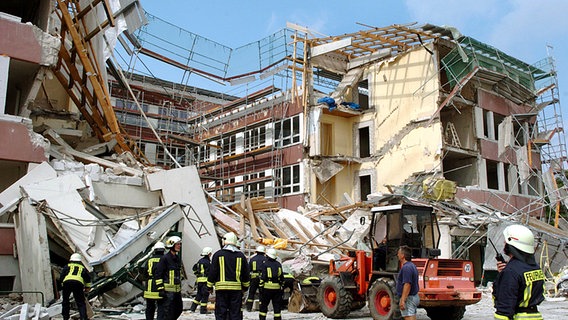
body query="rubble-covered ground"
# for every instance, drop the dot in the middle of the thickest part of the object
(551, 309)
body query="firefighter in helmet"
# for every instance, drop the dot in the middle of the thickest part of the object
(229, 274)
(201, 271)
(168, 280)
(519, 286)
(151, 292)
(75, 279)
(255, 264)
(271, 283)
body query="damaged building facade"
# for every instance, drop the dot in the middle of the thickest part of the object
(104, 158)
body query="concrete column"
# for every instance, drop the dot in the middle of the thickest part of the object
(4, 68)
(479, 123)
(482, 173)
(501, 176)
(491, 126)
(445, 242)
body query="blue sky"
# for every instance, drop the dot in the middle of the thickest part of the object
(521, 28)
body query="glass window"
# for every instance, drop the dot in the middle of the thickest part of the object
(287, 131)
(287, 180)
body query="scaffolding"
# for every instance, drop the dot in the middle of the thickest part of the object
(251, 112)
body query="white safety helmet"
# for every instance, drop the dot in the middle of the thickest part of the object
(159, 246)
(230, 238)
(260, 249)
(206, 251)
(172, 241)
(271, 253)
(76, 257)
(519, 237)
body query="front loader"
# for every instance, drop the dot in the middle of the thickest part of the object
(446, 285)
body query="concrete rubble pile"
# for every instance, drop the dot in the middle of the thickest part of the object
(113, 211)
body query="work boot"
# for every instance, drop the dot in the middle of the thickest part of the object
(203, 310)
(249, 305)
(193, 306)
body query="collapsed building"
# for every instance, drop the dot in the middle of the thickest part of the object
(103, 158)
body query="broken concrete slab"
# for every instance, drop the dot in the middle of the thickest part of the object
(183, 186)
(67, 211)
(140, 241)
(33, 254)
(41, 172)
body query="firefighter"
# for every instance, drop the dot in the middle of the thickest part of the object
(255, 264)
(290, 284)
(519, 286)
(75, 279)
(168, 281)
(229, 273)
(151, 293)
(271, 283)
(201, 271)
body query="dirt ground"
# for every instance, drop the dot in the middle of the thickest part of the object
(551, 310)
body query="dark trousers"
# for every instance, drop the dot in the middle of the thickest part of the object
(77, 288)
(254, 282)
(151, 309)
(228, 305)
(170, 307)
(202, 295)
(266, 296)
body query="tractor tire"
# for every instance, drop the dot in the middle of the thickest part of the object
(383, 302)
(443, 313)
(334, 300)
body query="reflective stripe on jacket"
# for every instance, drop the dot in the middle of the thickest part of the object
(151, 291)
(168, 273)
(272, 276)
(255, 264)
(229, 270)
(77, 272)
(203, 269)
(518, 290)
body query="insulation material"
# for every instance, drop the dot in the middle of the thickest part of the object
(300, 265)
(355, 228)
(111, 34)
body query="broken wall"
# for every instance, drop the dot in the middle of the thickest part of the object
(336, 140)
(404, 92)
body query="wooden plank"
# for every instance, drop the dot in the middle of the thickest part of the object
(327, 237)
(334, 207)
(225, 221)
(264, 228)
(320, 245)
(281, 233)
(343, 208)
(257, 222)
(252, 221)
(309, 233)
(293, 228)
(261, 207)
